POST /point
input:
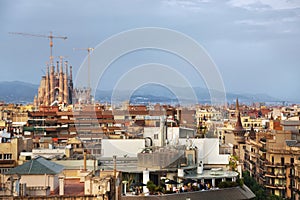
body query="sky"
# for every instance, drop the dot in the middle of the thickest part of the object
(255, 44)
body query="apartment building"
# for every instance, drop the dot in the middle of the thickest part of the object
(272, 158)
(10, 151)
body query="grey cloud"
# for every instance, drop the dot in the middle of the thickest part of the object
(261, 5)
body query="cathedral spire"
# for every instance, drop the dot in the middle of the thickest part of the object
(237, 107)
(239, 131)
(55, 85)
(57, 67)
(71, 78)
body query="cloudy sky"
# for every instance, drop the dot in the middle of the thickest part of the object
(254, 43)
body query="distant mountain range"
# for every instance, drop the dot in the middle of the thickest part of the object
(22, 92)
(160, 94)
(17, 92)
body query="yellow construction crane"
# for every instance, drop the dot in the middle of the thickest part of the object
(50, 37)
(89, 50)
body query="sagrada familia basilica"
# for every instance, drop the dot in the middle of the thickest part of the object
(56, 86)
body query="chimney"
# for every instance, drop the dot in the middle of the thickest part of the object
(84, 160)
(162, 136)
(200, 167)
(61, 185)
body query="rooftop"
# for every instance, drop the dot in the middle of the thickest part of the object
(37, 166)
(235, 193)
(213, 173)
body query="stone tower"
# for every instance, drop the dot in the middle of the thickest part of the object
(55, 86)
(239, 131)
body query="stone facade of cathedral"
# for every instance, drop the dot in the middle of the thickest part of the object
(56, 87)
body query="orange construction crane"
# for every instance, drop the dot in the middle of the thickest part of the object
(89, 50)
(50, 36)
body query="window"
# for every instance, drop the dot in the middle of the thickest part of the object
(0, 156)
(282, 160)
(190, 160)
(7, 156)
(3, 170)
(292, 160)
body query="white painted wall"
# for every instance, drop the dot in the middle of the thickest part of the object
(172, 135)
(150, 132)
(208, 150)
(48, 153)
(40, 180)
(129, 147)
(75, 164)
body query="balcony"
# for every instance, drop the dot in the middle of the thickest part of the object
(261, 166)
(239, 139)
(292, 187)
(275, 186)
(262, 178)
(253, 155)
(7, 163)
(279, 151)
(262, 159)
(270, 174)
(280, 176)
(291, 175)
(291, 165)
(263, 140)
(280, 186)
(263, 150)
(274, 165)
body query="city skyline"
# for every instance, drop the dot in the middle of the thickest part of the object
(253, 43)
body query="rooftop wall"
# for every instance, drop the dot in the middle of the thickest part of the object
(236, 193)
(208, 150)
(121, 148)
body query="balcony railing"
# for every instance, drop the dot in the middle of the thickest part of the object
(262, 167)
(292, 187)
(275, 186)
(263, 140)
(280, 176)
(270, 174)
(262, 177)
(291, 175)
(269, 164)
(262, 159)
(263, 150)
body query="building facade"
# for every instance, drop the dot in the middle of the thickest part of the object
(55, 86)
(272, 158)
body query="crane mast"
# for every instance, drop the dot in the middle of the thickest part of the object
(89, 50)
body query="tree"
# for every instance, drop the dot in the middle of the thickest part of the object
(258, 190)
(151, 187)
(233, 162)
